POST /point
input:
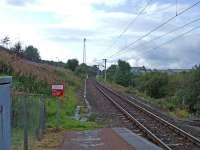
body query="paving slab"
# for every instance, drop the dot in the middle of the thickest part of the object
(136, 141)
(105, 139)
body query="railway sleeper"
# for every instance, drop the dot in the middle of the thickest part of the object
(119, 114)
(179, 144)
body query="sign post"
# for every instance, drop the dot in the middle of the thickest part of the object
(57, 91)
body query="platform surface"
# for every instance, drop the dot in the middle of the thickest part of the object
(105, 139)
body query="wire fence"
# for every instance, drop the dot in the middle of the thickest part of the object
(27, 120)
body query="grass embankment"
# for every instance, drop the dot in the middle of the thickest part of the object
(168, 105)
(36, 78)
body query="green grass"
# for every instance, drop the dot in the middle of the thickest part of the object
(18, 105)
(69, 123)
(180, 113)
(30, 84)
(171, 105)
(68, 106)
(17, 139)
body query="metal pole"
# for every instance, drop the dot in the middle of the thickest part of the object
(176, 7)
(105, 61)
(25, 124)
(41, 119)
(58, 112)
(84, 50)
(44, 116)
(98, 70)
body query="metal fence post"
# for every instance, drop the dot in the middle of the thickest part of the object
(44, 116)
(25, 124)
(5, 104)
(58, 112)
(41, 125)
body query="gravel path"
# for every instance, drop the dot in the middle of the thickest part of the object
(106, 113)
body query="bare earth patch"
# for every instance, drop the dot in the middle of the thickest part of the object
(51, 140)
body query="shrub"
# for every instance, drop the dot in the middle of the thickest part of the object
(153, 84)
(189, 91)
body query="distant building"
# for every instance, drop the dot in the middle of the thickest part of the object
(173, 71)
(138, 70)
(141, 70)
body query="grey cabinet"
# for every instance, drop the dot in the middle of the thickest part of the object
(5, 104)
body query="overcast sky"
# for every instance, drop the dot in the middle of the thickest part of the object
(57, 29)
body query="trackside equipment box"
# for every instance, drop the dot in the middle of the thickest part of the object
(5, 108)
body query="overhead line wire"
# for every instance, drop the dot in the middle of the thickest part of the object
(129, 24)
(158, 27)
(172, 31)
(179, 36)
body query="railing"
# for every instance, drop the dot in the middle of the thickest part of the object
(27, 120)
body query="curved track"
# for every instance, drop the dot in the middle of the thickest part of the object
(149, 125)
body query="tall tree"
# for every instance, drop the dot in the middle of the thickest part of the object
(123, 73)
(93, 70)
(189, 92)
(111, 71)
(82, 70)
(32, 53)
(17, 48)
(5, 41)
(72, 64)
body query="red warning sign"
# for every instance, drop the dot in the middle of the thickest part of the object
(57, 90)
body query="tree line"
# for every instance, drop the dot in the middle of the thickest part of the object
(30, 52)
(180, 89)
(81, 70)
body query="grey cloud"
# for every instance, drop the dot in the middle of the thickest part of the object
(67, 34)
(74, 38)
(182, 53)
(19, 2)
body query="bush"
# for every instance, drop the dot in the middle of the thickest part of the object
(111, 71)
(72, 64)
(123, 74)
(81, 70)
(154, 84)
(189, 91)
(32, 53)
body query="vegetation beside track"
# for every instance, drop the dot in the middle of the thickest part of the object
(36, 78)
(177, 93)
(68, 105)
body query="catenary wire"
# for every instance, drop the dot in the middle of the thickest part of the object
(155, 29)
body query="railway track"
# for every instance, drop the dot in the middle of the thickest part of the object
(149, 125)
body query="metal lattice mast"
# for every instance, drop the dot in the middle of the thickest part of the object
(84, 50)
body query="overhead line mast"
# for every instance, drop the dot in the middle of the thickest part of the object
(84, 50)
(105, 63)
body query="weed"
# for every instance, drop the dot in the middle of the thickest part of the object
(68, 105)
(92, 117)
